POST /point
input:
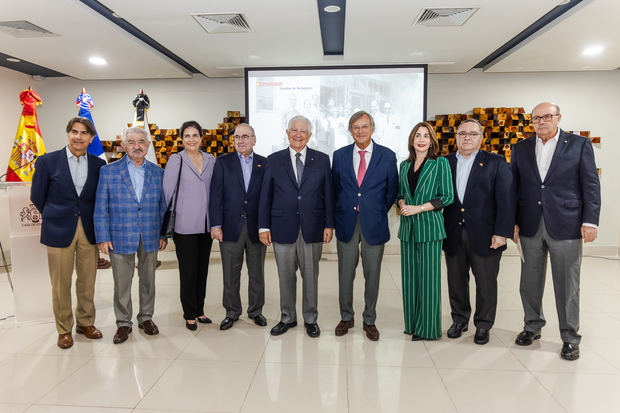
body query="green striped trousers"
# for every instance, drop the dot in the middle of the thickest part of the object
(421, 274)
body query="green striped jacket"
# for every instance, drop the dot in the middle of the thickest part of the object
(435, 181)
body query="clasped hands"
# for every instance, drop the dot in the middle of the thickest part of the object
(265, 237)
(408, 210)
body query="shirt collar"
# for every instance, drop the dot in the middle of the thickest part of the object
(130, 163)
(71, 155)
(242, 158)
(555, 138)
(368, 149)
(303, 151)
(471, 157)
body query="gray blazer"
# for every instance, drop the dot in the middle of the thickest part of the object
(192, 209)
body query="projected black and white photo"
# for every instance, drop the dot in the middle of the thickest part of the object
(394, 96)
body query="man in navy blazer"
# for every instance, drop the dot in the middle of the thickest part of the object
(63, 190)
(296, 213)
(366, 184)
(233, 213)
(559, 202)
(477, 226)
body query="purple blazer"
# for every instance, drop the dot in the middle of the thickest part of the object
(192, 208)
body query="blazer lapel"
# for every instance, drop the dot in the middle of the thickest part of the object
(288, 165)
(348, 165)
(127, 177)
(66, 172)
(147, 179)
(429, 167)
(375, 159)
(91, 171)
(307, 166)
(559, 150)
(453, 160)
(191, 165)
(255, 167)
(531, 155)
(405, 182)
(476, 169)
(238, 170)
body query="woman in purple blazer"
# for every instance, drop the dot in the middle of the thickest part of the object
(191, 236)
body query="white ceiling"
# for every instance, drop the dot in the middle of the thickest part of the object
(286, 33)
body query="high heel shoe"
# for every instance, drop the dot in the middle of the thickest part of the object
(191, 327)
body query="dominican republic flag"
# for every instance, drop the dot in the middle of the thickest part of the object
(85, 103)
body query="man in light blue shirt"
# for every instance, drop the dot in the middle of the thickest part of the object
(136, 173)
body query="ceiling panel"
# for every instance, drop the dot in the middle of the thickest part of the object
(561, 46)
(82, 33)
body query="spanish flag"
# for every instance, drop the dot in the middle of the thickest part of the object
(28, 143)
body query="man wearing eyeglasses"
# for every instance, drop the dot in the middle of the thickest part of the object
(559, 202)
(366, 185)
(233, 214)
(477, 226)
(296, 213)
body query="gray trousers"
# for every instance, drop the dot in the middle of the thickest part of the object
(232, 262)
(123, 266)
(565, 268)
(304, 256)
(348, 258)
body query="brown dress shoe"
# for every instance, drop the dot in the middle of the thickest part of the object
(371, 332)
(90, 332)
(122, 334)
(149, 327)
(65, 341)
(343, 327)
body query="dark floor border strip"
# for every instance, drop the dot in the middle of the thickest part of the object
(539, 24)
(139, 34)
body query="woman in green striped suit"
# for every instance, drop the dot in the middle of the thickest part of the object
(425, 187)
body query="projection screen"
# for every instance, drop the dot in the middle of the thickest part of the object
(394, 95)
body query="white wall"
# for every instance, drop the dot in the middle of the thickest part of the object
(589, 101)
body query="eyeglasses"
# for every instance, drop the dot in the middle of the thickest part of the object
(464, 134)
(358, 128)
(546, 118)
(241, 137)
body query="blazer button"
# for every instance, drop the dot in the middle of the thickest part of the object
(297, 212)
(542, 186)
(359, 194)
(539, 203)
(298, 196)
(462, 209)
(245, 202)
(460, 223)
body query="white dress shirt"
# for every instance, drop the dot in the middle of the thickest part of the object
(294, 158)
(78, 166)
(357, 158)
(544, 153)
(463, 169)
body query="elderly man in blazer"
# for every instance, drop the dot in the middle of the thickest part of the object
(129, 212)
(296, 213)
(477, 226)
(63, 190)
(233, 213)
(559, 202)
(366, 184)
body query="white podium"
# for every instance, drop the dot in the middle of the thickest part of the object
(32, 290)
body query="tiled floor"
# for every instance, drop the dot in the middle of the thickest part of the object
(246, 370)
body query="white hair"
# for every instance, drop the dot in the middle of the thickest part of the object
(300, 117)
(135, 129)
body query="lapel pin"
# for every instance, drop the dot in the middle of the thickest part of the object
(565, 141)
(258, 165)
(481, 164)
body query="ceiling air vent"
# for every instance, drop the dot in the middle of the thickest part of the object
(445, 16)
(223, 23)
(23, 28)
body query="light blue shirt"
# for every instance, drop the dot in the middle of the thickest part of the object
(246, 168)
(137, 177)
(463, 168)
(78, 167)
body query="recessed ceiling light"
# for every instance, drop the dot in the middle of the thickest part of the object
(253, 57)
(97, 61)
(12, 59)
(417, 54)
(593, 50)
(332, 9)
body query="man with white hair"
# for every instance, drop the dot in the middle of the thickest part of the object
(129, 211)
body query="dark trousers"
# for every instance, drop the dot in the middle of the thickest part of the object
(193, 252)
(232, 261)
(485, 270)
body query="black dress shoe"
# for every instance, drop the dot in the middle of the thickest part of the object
(282, 328)
(191, 327)
(570, 351)
(259, 320)
(415, 337)
(312, 329)
(227, 323)
(204, 319)
(456, 329)
(481, 336)
(525, 338)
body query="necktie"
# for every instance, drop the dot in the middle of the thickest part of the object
(361, 171)
(300, 167)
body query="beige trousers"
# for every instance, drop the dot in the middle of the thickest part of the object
(61, 261)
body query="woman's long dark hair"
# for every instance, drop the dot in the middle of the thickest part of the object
(433, 150)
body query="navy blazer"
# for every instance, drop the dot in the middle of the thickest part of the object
(488, 208)
(284, 207)
(54, 195)
(569, 196)
(229, 202)
(375, 196)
